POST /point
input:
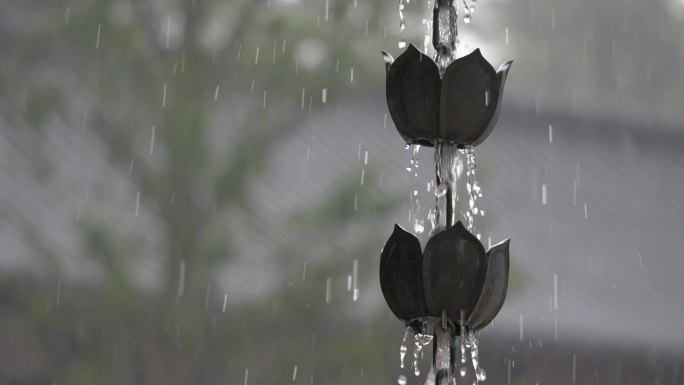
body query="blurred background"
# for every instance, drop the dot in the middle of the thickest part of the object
(197, 191)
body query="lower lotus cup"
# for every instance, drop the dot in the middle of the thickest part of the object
(460, 107)
(454, 275)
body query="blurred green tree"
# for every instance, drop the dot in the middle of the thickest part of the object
(189, 98)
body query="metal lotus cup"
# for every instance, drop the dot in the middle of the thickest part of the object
(453, 278)
(460, 106)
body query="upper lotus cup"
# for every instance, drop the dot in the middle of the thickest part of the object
(459, 107)
(454, 274)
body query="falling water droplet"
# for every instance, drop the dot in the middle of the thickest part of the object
(466, 18)
(464, 370)
(401, 380)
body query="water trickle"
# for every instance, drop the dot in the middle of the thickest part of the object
(403, 348)
(419, 340)
(428, 29)
(402, 22)
(473, 187)
(449, 168)
(480, 374)
(442, 356)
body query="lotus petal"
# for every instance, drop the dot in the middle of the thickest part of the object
(400, 275)
(501, 74)
(388, 60)
(495, 287)
(413, 88)
(454, 268)
(469, 99)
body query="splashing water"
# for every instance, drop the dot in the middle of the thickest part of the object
(428, 29)
(469, 7)
(480, 374)
(403, 348)
(413, 162)
(420, 340)
(402, 23)
(473, 187)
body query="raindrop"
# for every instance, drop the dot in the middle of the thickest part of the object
(59, 291)
(328, 290)
(164, 96)
(555, 291)
(137, 203)
(181, 279)
(401, 380)
(355, 280)
(152, 140)
(168, 32)
(97, 38)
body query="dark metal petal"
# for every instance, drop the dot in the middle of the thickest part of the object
(495, 287)
(501, 74)
(469, 98)
(454, 268)
(400, 275)
(388, 60)
(413, 87)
